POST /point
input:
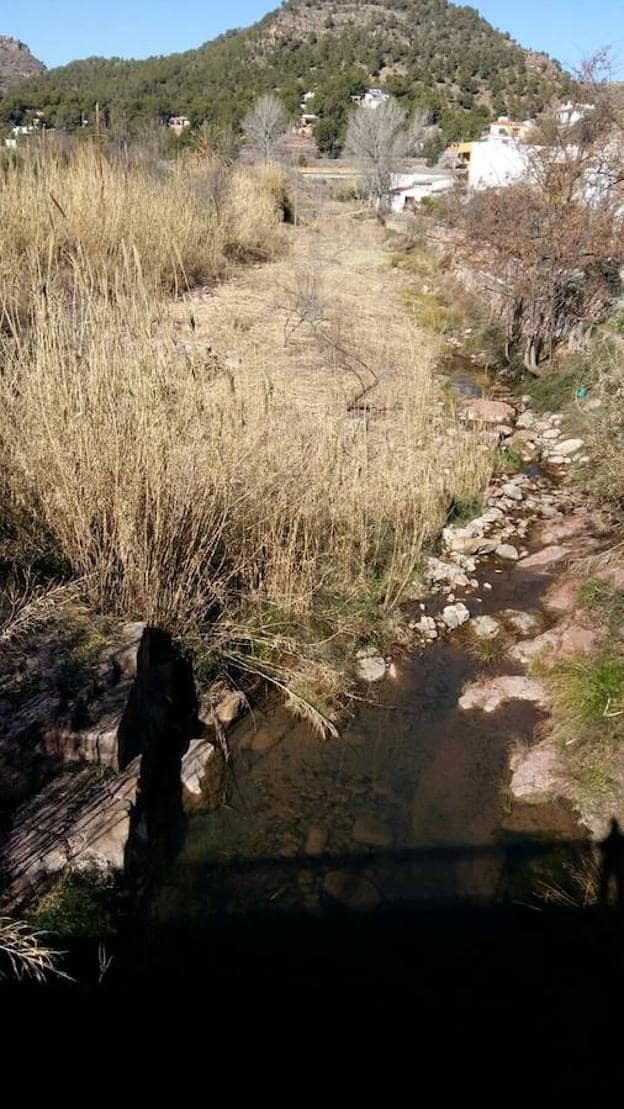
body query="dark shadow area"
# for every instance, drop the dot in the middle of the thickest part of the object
(158, 725)
(612, 866)
(431, 955)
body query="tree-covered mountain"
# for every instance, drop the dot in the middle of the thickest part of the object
(426, 52)
(16, 62)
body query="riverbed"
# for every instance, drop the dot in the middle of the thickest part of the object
(410, 804)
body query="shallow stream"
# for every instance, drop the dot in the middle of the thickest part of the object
(410, 804)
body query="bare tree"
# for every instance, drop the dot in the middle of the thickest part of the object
(379, 140)
(553, 242)
(265, 124)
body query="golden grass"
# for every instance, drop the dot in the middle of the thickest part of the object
(203, 466)
(179, 223)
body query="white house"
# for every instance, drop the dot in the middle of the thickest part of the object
(497, 162)
(179, 123)
(371, 98)
(510, 129)
(408, 189)
(569, 114)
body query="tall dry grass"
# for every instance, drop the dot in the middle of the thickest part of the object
(222, 498)
(182, 223)
(175, 486)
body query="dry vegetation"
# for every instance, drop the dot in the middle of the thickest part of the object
(259, 471)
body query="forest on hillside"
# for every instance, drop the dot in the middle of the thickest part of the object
(427, 53)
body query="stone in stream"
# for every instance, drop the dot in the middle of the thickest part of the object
(351, 891)
(507, 552)
(427, 627)
(485, 627)
(530, 649)
(195, 762)
(455, 615)
(490, 694)
(438, 571)
(371, 666)
(489, 411)
(471, 546)
(511, 490)
(526, 623)
(566, 528)
(535, 772)
(372, 832)
(548, 556)
(570, 446)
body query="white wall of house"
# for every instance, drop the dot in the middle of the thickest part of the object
(497, 162)
(415, 187)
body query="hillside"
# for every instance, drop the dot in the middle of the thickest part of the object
(16, 62)
(426, 52)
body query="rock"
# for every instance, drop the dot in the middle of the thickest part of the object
(351, 891)
(511, 490)
(548, 556)
(526, 623)
(530, 649)
(370, 667)
(194, 766)
(80, 820)
(570, 446)
(230, 707)
(455, 615)
(264, 738)
(576, 640)
(526, 419)
(552, 433)
(371, 831)
(491, 516)
(489, 695)
(316, 840)
(489, 411)
(504, 431)
(427, 627)
(438, 571)
(535, 773)
(474, 546)
(226, 706)
(485, 627)
(553, 532)
(562, 596)
(507, 552)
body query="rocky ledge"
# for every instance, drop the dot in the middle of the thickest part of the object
(84, 754)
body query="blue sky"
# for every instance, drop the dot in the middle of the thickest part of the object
(59, 30)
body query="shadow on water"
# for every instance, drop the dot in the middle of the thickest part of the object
(466, 952)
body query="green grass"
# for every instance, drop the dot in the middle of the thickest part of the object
(462, 512)
(82, 906)
(507, 461)
(555, 390)
(605, 601)
(589, 698)
(489, 651)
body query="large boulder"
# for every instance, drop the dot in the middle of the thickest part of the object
(489, 411)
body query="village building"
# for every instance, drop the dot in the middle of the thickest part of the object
(409, 189)
(371, 98)
(179, 123)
